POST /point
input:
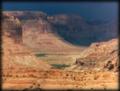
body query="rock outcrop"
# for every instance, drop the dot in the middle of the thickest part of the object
(14, 53)
(71, 29)
(25, 31)
(39, 36)
(99, 56)
(17, 56)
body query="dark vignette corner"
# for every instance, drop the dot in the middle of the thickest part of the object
(119, 42)
(0, 46)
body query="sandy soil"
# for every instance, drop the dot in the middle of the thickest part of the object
(58, 79)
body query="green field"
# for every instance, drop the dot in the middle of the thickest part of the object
(58, 60)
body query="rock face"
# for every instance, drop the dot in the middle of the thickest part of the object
(66, 30)
(39, 36)
(73, 29)
(15, 54)
(76, 30)
(25, 31)
(12, 26)
(25, 15)
(58, 33)
(99, 56)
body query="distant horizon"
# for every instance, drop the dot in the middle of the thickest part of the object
(90, 11)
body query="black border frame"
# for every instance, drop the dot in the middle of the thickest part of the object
(58, 1)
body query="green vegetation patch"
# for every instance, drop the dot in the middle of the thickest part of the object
(41, 55)
(59, 66)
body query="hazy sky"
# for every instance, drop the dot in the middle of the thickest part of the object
(88, 10)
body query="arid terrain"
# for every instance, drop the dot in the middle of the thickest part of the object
(40, 52)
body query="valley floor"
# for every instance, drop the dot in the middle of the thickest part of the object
(59, 79)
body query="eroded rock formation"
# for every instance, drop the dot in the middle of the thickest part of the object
(99, 56)
(21, 70)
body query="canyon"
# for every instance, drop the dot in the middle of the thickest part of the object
(33, 41)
